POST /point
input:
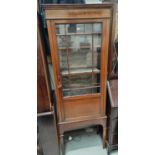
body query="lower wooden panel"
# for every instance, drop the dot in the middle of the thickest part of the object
(82, 106)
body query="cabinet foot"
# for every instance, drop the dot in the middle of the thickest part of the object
(62, 145)
(104, 137)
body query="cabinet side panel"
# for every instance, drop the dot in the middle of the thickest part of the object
(43, 103)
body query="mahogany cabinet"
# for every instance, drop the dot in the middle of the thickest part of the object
(79, 41)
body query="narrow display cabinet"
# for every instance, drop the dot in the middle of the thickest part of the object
(79, 40)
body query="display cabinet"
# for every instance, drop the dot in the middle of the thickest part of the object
(79, 40)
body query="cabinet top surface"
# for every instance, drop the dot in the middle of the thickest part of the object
(76, 6)
(78, 11)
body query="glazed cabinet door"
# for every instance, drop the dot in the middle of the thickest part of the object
(79, 50)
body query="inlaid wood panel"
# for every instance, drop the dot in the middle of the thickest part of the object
(75, 14)
(78, 107)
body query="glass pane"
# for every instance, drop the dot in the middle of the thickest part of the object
(97, 51)
(97, 40)
(74, 92)
(79, 48)
(79, 41)
(88, 28)
(65, 82)
(96, 58)
(62, 41)
(96, 79)
(80, 84)
(96, 90)
(80, 58)
(115, 59)
(63, 60)
(80, 28)
(77, 92)
(75, 28)
(80, 54)
(80, 80)
(97, 28)
(60, 29)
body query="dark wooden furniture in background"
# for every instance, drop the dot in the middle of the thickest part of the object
(44, 103)
(113, 50)
(112, 113)
(112, 85)
(46, 120)
(79, 41)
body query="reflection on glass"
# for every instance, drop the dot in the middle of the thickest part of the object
(80, 58)
(60, 29)
(71, 28)
(96, 59)
(88, 28)
(63, 60)
(115, 59)
(97, 28)
(96, 90)
(97, 40)
(80, 41)
(96, 79)
(77, 92)
(80, 80)
(65, 82)
(79, 28)
(61, 40)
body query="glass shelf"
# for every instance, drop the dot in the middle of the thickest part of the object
(81, 47)
(80, 71)
(69, 34)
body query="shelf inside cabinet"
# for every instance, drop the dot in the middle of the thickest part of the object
(69, 34)
(81, 47)
(80, 71)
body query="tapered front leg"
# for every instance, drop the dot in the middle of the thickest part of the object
(62, 145)
(104, 137)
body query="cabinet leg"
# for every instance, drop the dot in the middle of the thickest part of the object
(62, 145)
(109, 151)
(104, 137)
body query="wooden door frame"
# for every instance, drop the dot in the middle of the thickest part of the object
(55, 59)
